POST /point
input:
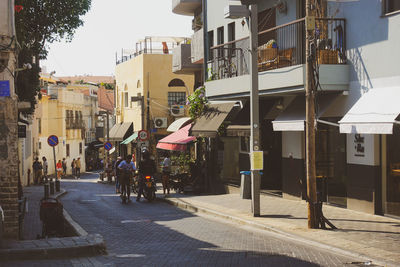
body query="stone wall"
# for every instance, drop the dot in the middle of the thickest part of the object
(9, 165)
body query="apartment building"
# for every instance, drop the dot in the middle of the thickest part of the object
(355, 68)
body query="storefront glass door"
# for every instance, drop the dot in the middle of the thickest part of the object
(331, 164)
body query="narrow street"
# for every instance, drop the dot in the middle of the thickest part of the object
(157, 234)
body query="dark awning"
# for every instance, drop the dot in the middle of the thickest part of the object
(208, 123)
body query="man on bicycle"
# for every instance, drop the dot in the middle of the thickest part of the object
(127, 168)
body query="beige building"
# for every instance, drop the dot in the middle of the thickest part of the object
(148, 94)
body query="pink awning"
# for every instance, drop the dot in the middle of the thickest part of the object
(177, 141)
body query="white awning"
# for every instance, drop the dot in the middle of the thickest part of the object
(179, 123)
(374, 113)
(294, 116)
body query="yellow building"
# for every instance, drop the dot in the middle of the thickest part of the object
(60, 112)
(148, 94)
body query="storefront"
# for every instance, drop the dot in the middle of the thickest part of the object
(373, 156)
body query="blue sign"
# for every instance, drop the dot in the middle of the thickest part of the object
(108, 146)
(52, 140)
(4, 88)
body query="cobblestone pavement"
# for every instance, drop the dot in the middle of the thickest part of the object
(157, 234)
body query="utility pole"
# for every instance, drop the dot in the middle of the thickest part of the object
(310, 117)
(254, 107)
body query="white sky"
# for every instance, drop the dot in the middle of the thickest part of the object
(109, 26)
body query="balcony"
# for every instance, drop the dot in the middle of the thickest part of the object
(281, 60)
(181, 60)
(185, 7)
(197, 47)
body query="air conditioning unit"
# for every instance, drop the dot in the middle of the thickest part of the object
(178, 110)
(160, 122)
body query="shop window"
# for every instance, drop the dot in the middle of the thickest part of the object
(244, 144)
(390, 6)
(176, 98)
(393, 173)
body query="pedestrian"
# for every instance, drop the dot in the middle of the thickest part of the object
(166, 171)
(127, 168)
(78, 168)
(64, 166)
(117, 175)
(45, 165)
(59, 169)
(37, 171)
(73, 168)
(147, 166)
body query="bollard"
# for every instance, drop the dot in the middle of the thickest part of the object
(57, 185)
(51, 186)
(46, 190)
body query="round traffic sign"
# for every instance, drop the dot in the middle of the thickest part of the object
(52, 140)
(108, 146)
(143, 135)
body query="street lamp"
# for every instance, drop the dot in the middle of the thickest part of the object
(256, 156)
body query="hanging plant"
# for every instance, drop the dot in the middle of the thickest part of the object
(197, 102)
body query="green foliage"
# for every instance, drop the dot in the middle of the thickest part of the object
(182, 161)
(212, 76)
(38, 23)
(197, 102)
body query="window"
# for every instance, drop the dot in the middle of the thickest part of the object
(210, 44)
(80, 148)
(231, 37)
(40, 145)
(76, 119)
(40, 125)
(220, 40)
(126, 99)
(176, 98)
(390, 6)
(67, 148)
(80, 119)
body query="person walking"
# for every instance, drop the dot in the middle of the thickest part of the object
(166, 172)
(127, 168)
(45, 168)
(64, 166)
(37, 171)
(117, 173)
(147, 166)
(59, 169)
(78, 168)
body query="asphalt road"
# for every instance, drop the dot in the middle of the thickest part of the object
(157, 234)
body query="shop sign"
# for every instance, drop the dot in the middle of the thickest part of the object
(4, 88)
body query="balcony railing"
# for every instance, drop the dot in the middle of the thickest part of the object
(279, 47)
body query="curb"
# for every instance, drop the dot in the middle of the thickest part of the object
(196, 209)
(83, 245)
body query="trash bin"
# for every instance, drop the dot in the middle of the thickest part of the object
(245, 185)
(51, 215)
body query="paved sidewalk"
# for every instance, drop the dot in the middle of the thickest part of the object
(360, 234)
(31, 247)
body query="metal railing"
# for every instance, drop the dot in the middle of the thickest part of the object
(279, 47)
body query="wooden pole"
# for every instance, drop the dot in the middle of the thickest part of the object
(310, 119)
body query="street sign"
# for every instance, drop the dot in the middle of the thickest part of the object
(52, 140)
(108, 146)
(143, 135)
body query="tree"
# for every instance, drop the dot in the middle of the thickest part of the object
(37, 24)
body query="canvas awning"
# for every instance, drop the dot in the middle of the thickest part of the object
(120, 130)
(208, 123)
(177, 141)
(179, 123)
(294, 116)
(130, 138)
(374, 113)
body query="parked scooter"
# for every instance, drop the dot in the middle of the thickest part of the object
(149, 188)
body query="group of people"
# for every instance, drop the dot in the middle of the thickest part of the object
(125, 170)
(40, 170)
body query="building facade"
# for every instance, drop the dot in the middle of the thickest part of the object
(356, 166)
